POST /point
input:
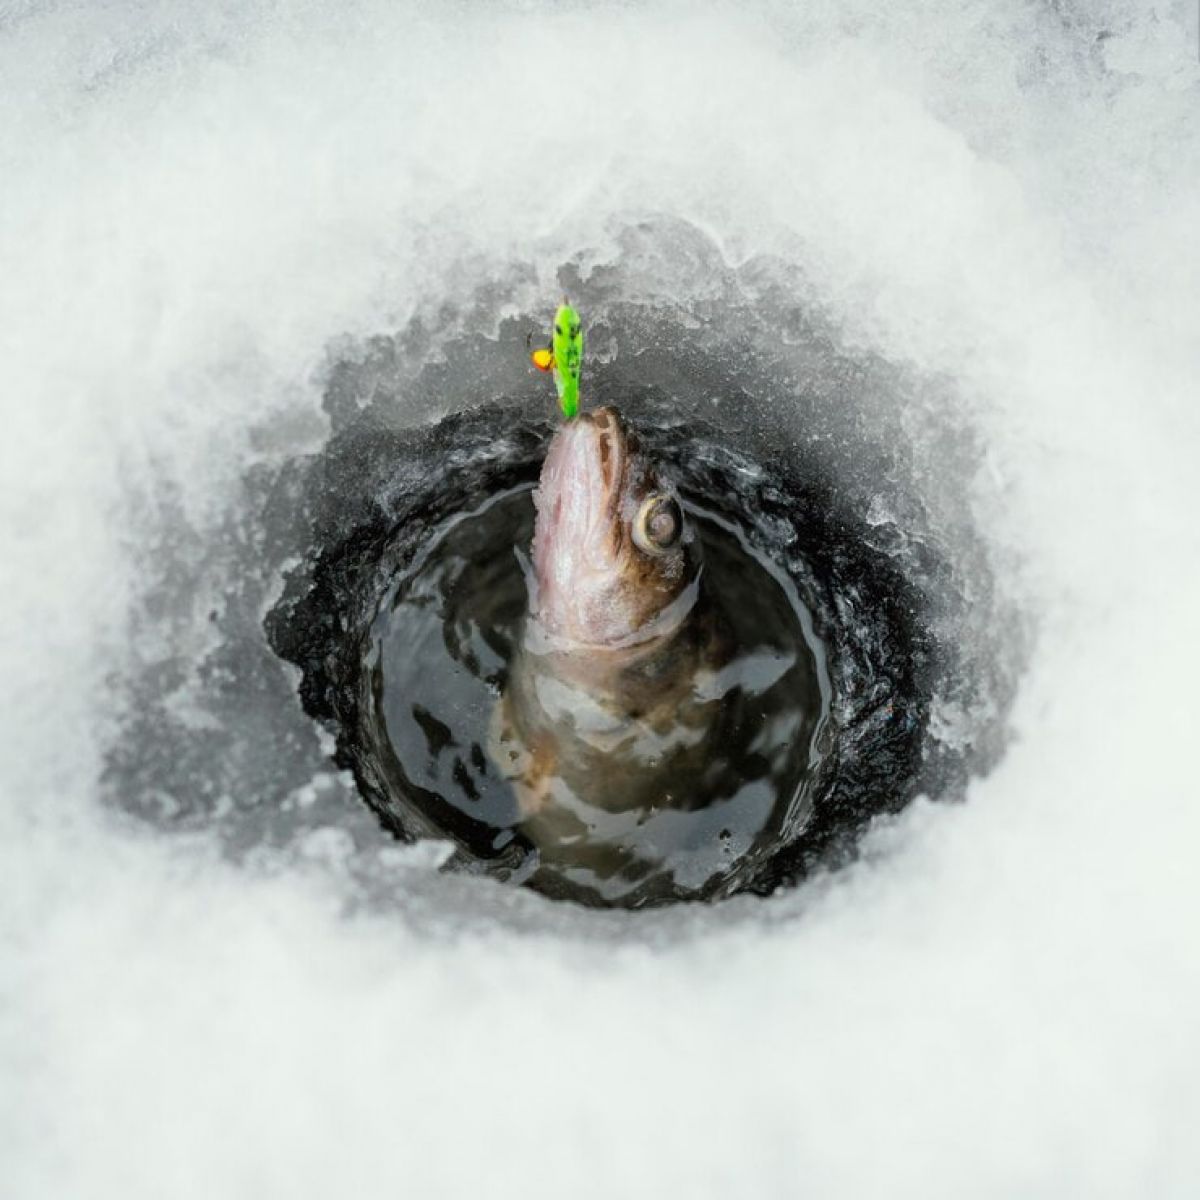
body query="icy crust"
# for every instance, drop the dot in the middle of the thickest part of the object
(883, 550)
(856, 474)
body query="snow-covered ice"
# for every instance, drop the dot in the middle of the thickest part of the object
(999, 999)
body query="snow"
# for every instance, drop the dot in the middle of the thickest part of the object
(999, 999)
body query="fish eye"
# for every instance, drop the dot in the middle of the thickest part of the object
(658, 525)
(558, 330)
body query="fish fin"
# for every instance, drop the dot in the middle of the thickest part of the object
(534, 791)
(530, 769)
(543, 359)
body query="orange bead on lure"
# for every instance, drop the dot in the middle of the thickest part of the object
(564, 358)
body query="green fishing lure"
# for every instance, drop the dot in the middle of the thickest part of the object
(564, 358)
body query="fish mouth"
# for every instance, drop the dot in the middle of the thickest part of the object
(585, 484)
(598, 451)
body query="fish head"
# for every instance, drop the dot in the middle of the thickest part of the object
(614, 560)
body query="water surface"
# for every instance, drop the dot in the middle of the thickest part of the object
(682, 809)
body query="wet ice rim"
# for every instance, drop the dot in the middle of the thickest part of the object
(735, 363)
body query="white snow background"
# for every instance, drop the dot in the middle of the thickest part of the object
(1002, 997)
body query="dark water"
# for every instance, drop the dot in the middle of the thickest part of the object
(684, 809)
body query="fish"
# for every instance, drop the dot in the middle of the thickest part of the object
(613, 697)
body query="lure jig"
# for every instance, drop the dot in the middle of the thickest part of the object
(564, 358)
